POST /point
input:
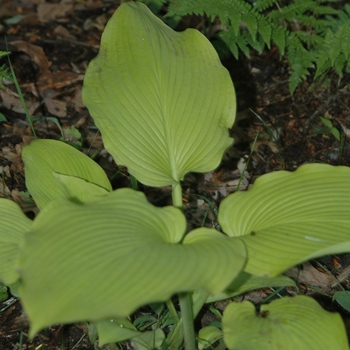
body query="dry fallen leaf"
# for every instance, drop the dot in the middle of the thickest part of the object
(310, 276)
(50, 12)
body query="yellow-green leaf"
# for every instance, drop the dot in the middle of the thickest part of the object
(13, 227)
(105, 258)
(290, 217)
(287, 323)
(161, 99)
(44, 158)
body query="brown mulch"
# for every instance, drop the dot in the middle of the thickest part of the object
(51, 45)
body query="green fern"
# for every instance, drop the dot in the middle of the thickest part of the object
(5, 73)
(313, 35)
(154, 5)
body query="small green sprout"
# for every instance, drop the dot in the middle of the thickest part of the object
(330, 129)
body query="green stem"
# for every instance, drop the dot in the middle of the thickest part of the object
(187, 319)
(175, 337)
(21, 95)
(177, 196)
(172, 310)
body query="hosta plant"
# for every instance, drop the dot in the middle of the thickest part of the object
(163, 104)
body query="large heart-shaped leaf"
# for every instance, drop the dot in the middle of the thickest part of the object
(287, 218)
(105, 258)
(14, 225)
(287, 323)
(44, 158)
(161, 99)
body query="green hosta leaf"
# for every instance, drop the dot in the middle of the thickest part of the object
(104, 259)
(149, 340)
(14, 225)
(77, 189)
(343, 298)
(207, 336)
(43, 158)
(287, 323)
(115, 330)
(246, 282)
(287, 218)
(161, 99)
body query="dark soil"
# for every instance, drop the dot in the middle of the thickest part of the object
(50, 52)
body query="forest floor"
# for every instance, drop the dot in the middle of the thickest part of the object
(51, 45)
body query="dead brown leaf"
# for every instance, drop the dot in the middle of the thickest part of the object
(310, 276)
(11, 101)
(51, 12)
(36, 53)
(61, 31)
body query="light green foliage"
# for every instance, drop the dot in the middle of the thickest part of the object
(14, 226)
(149, 340)
(115, 330)
(287, 323)
(162, 116)
(96, 254)
(343, 298)
(62, 159)
(329, 128)
(119, 232)
(73, 137)
(309, 32)
(208, 335)
(246, 282)
(288, 217)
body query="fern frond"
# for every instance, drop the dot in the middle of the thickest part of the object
(229, 12)
(300, 59)
(262, 5)
(323, 64)
(228, 39)
(335, 50)
(205, 7)
(235, 42)
(259, 44)
(158, 3)
(339, 64)
(279, 36)
(311, 33)
(266, 30)
(250, 20)
(343, 36)
(5, 73)
(3, 53)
